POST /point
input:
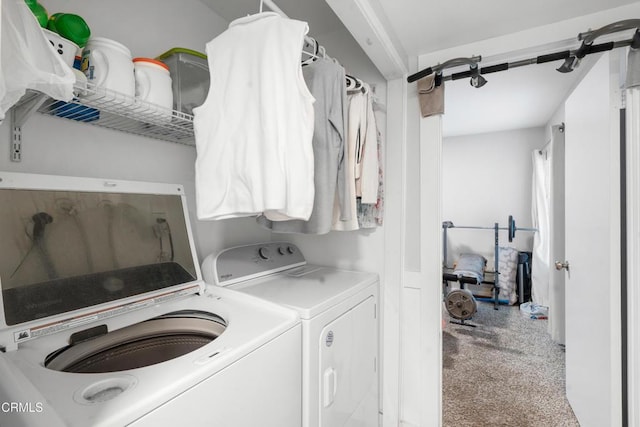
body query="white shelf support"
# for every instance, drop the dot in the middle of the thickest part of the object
(104, 108)
(16, 144)
(19, 116)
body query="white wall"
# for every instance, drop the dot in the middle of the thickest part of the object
(486, 178)
(412, 171)
(556, 119)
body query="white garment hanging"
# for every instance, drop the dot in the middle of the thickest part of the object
(367, 176)
(254, 131)
(27, 59)
(541, 221)
(371, 215)
(357, 105)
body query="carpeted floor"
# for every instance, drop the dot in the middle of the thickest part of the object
(505, 372)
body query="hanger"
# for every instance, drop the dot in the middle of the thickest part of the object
(363, 86)
(351, 82)
(310, 45)
(354, 84)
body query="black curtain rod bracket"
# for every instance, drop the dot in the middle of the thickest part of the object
(588, 37)
(455, 62)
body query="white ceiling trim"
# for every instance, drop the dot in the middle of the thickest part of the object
(366, 26)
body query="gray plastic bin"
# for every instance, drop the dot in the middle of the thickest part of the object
(190, 77)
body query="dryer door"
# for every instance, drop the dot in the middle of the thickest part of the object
(348, 368)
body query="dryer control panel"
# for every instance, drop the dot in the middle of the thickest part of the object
(251, 261)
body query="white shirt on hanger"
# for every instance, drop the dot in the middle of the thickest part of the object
(254, 131)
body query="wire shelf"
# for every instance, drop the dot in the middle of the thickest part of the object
(106, 108)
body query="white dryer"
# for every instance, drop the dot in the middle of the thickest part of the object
(106, 321)
(339, 313)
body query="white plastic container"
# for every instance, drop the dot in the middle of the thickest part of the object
(153, 84)
(108, 64)
(63, 47)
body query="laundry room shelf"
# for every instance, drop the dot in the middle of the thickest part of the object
(106, 108)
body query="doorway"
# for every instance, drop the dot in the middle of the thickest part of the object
(490, 170)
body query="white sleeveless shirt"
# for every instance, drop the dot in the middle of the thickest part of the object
(254, 131)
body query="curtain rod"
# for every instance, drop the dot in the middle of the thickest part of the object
(571, 57)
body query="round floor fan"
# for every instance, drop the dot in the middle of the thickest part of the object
(461, 304)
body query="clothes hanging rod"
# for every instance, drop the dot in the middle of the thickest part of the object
(274, 7)
(571, 57)
(310, 40)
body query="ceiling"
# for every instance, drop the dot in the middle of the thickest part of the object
(317, 13)
(427, 26)
(520, 98)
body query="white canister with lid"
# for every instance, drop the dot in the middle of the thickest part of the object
(153, 84)
(108, 64)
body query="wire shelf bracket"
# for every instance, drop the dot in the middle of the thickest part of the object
(104, 108)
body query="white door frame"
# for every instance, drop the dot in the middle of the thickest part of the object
(633, 254)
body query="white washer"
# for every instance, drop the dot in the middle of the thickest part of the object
(105, 319)
(339, 316)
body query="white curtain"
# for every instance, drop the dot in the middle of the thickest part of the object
(541, 188)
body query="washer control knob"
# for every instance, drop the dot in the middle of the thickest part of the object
(263, 253)
(290, 249)
(281, 250)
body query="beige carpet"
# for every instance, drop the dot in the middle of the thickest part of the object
(505, 372)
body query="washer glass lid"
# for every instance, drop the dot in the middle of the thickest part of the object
(66, 250)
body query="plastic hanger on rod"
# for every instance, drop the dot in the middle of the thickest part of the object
(310, 46)
(308, 40)
(353, 83)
